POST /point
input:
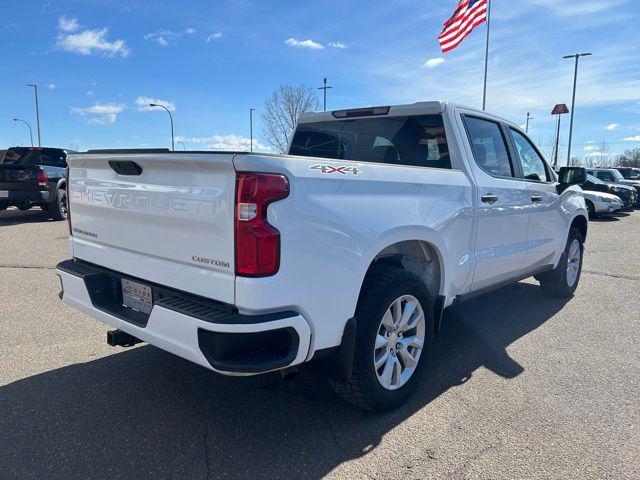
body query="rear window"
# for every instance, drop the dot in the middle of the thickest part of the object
(51, 157)
(417, 141)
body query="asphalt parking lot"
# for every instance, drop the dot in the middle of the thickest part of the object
(519, 386)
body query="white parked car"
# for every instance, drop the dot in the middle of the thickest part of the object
(345, 251)
(599, 203)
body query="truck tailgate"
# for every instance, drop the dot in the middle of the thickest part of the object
(18, 177)
(171, 224)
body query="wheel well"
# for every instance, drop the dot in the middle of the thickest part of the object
(581, 224)
(416, 256)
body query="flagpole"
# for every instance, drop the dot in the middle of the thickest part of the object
(486, 56)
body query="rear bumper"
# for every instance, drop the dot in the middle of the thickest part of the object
(25, 196)
(210, 334)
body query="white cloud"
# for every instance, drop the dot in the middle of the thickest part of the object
(433, 62)
(337, 45)
(589, 149)
(163, 37)
(599, 153)
(89, 93)
(100, 113)
(92, 41)
(143, 104)
(189, 30)
(51, 86)
(612, 126)
(292, 42)
(227, 142)
(214, 36)
(68, 24)
(635, 138)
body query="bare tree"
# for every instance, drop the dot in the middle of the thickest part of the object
(604, 152)
(281, 112)
(547, 147)
(630, 158)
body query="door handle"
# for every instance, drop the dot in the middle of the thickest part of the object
(489, 198)
(536, 199)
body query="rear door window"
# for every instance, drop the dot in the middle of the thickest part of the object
(418, 141)
(489, 147)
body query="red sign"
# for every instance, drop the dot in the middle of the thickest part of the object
(560, 109)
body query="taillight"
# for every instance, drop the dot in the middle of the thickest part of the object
(67, 187)
(43, 180)
(257, 242)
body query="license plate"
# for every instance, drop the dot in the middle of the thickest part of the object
(4, 193)
(137, 296)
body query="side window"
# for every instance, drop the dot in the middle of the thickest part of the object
(533, 166)
(606, 176)
(489, 147)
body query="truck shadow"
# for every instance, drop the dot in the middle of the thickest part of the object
(142, 413)
(13, 216)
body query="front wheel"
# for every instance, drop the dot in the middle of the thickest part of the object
(394, 319)
(563, 280)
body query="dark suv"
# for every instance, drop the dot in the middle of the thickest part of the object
(625, 193)
(34, 176)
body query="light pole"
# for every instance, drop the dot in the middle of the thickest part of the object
(183, 147)
(529, 117)
(35, 89)
(324, 88)
(173, 147)
(251, 110)
(28, 125)
(573, 101)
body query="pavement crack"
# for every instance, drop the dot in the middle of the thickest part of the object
(206, 442)
(611, 275)
(28, 267)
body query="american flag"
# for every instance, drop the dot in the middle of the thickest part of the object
(468, 15)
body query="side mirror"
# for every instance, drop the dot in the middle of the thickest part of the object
(572, 176)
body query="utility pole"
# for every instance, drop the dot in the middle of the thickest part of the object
(559, 110)
(173, 147)
(28, 125)
(35, 89)
(251, 110)
(573, 101)
(324, 89)
(529, 117)
(486, 57)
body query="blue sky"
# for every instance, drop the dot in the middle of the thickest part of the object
(98, 62)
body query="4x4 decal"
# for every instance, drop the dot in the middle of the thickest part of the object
(341, 169)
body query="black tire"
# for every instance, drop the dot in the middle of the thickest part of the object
(556, 283)
(381, 287)
(591, 209)
(58, 209)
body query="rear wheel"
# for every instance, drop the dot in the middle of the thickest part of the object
(394, 319)
(564, 279)
(58, 208)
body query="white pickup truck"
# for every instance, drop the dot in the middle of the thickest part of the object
(344, 252)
